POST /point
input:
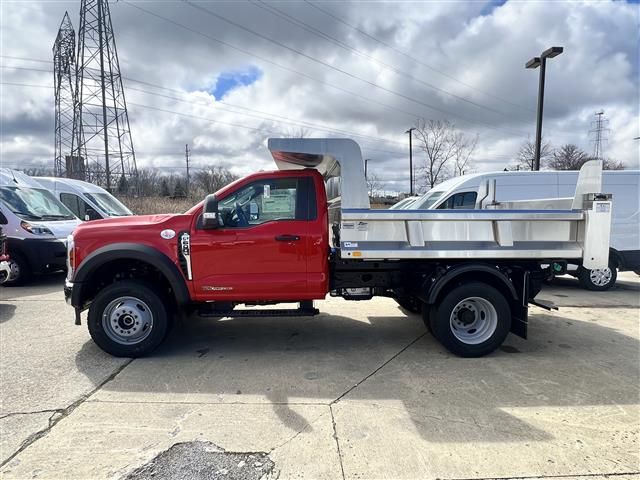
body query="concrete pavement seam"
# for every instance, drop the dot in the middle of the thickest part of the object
(568, 475)
(384, 364)
(13, 414)
(298, 432)
(59, 414)
(170, 402)
(335, 436)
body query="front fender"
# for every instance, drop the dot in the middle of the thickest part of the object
(132, 251)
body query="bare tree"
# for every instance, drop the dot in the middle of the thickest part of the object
(568, 157)
(526, 154)
(436, 138)
(213, 178)
(571, 157)
(373, 184)
(463, 150)
(608, 164)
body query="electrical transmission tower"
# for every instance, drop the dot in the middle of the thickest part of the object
(599, 131)
(102, 135)
(64, 50)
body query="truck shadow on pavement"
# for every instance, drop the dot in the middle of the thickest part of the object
(392, 367)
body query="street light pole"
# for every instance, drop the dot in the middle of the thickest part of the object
(410, 131)
(541, 62)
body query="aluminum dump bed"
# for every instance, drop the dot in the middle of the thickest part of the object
(577, 233)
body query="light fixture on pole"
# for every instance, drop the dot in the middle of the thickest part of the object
(541, 62)
(410, 132)
(366, 161)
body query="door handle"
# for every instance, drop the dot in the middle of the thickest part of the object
(287, 238)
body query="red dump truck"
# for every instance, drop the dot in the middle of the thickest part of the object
(306, 230)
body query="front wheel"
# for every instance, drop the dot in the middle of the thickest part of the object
(472, 320)
(20, 270)
(128, 319)
(598, 279)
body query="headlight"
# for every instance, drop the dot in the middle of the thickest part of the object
(71, 257)
(35, 229)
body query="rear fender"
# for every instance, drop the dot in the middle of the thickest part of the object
(433, 292)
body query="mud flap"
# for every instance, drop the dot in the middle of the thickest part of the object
(520, 309)
(520, 321)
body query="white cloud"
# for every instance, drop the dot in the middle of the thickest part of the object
(598, 70)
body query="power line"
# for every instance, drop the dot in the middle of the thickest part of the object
(262, 115)
(305, 26)
(345, 72)
(210, 120)
(416, 60)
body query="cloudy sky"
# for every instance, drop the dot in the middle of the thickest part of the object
(225, 76)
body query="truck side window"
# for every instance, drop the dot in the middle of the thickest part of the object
(74, 203)
(462, 201)
(266, 201)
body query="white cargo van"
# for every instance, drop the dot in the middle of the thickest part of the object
(624, 185)
(36, 225)
(86, 200)
(404, 203)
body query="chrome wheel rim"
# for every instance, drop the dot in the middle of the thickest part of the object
(15, 270)
(600, 276)
(127, 320)
(473, 320)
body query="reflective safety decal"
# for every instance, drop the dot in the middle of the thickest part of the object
(168, 234)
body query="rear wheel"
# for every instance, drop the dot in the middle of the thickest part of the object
(598, 279)
(128, 319)
(472, 320)
(20, 270)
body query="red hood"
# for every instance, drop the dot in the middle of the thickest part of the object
(131, 221)
(143, 229)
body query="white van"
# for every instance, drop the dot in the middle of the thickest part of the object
(404, 203)
(86, 200)
(624, 185)
(36, 225)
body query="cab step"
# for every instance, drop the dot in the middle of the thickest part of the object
(306, 309)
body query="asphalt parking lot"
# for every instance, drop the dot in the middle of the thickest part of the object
(360, 391)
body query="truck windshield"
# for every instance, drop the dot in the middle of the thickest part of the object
(33, 204)
(109, 204)
(427, 201)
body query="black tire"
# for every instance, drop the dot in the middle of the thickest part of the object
(427, 313)
(588, 279)
(441, 319)
(21, 270)
(409, 303)
(103, 333)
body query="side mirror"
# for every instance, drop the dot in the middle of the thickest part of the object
(210, 213)
(91, 214)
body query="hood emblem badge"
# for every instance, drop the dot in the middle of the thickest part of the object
(168, 234)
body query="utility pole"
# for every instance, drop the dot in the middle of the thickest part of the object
(599, 131)
(186, 157)
(410, 132)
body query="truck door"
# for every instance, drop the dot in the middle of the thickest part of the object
(259, 252)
